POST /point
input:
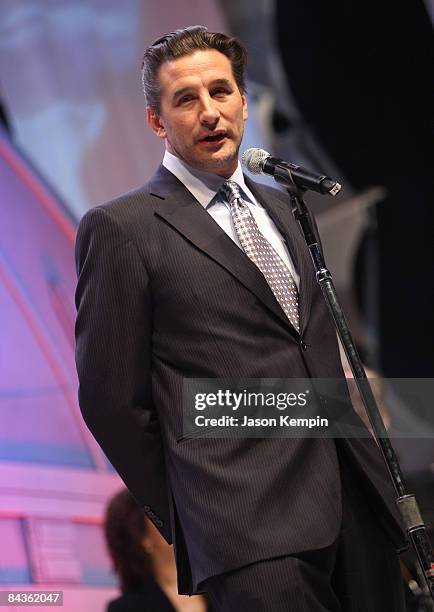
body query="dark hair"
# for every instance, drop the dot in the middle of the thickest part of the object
(125, 527)
(184, 42)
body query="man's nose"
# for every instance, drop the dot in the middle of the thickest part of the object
(209, 113)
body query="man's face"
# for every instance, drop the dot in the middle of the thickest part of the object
(202, 111)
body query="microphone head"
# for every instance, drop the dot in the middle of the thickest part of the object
(253, 159)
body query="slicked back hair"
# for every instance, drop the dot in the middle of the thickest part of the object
(184, 42)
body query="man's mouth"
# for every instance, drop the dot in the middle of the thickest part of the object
(214, 137)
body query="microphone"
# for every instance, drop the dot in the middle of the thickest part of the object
(259, 161)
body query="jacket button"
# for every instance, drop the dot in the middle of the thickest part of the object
(146, 508)
(304, 345)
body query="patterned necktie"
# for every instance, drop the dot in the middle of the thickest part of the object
(260, 251)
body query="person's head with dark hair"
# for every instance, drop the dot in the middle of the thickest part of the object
(185, 42)
(126, 531)
(143, 560)
(194, 86)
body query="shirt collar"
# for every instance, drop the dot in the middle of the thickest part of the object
(203, 185)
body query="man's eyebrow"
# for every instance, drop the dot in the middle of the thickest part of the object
(179, 92)
(220, 82)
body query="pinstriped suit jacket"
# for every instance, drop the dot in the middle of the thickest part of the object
(164, 294)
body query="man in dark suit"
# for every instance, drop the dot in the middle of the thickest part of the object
(169, 290)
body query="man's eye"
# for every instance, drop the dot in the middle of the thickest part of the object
(220, 91)
(185, 99)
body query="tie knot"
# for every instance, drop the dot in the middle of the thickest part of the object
(231, 191)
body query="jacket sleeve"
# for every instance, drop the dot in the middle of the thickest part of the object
(113, 356)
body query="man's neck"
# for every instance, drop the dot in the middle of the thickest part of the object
(203, 185)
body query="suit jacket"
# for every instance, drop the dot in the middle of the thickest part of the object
(164, 294)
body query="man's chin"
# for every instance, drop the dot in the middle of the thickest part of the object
(220, 160)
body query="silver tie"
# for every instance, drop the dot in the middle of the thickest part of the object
(260, 251)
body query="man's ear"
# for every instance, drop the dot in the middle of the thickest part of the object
(155, 123)
(245, 109)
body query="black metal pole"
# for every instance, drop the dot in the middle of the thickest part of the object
(406, 502)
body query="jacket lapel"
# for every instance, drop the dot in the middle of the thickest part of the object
(181, 210)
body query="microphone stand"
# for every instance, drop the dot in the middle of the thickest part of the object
(406, 501)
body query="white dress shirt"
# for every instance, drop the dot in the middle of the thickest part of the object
(205, 187)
